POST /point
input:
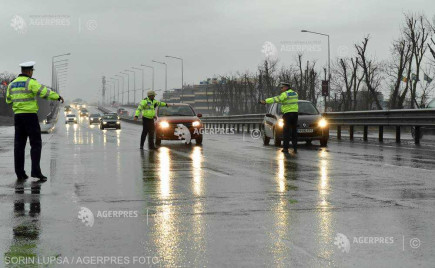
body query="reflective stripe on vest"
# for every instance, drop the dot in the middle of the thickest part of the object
(20, 91)
(40, 90)
(27, 84)
(24, 100)
(47, 94)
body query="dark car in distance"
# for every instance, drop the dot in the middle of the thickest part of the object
(94, 119)
(311, 124)
(67, 109)
(122, 111)
(110, 121)
(172, 120)
(84, 112)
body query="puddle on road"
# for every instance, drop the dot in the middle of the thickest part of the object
(26, 226)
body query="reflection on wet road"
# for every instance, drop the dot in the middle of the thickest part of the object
(231, 202)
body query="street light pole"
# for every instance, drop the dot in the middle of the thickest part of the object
(134, 85)
(128, 87)
(114, 85)
(182, 75)
(57, 68)
(117, 81)
(166, 73)
(142, 78)
(122, 88)
(329, 60)
(152, 67)
(52, 66)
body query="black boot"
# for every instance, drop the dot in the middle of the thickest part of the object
(23, 177)
(40, 177)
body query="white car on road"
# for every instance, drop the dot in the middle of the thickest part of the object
(71, 118)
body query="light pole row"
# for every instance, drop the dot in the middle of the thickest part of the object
(132, 70)
(58, 69)
(329, 62)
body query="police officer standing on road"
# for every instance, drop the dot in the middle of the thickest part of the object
(22, 93)
(147, 107)
(289, 107)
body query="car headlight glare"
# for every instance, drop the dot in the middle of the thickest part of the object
(104, 122)
(196, 124)
(164, 124)
(323, 123)
(118, 123)
(281, 122)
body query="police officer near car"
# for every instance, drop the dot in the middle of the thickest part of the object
(147, 107)
(22, 93)
(289, 108)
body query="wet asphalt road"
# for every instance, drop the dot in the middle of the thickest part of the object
(229, 203)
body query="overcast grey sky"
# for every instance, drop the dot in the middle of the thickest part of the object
(213, 37)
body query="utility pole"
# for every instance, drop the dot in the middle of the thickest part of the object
(182, 74)
(152, 67)
(128, 86)
(104, 89)
(142, 78)
(166, 73)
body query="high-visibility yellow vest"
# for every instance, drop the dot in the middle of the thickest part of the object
(22, 93)
(288, 100)
(148, 108)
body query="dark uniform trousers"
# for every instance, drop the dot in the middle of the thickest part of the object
(290, 129)
(27, 125)
(147, 128)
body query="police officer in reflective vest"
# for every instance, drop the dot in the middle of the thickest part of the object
(22, 93)
(147, 107)
(289, 108)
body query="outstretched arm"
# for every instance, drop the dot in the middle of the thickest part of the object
(138, 111)
(43, 92)
(161, 103)
(276, 99)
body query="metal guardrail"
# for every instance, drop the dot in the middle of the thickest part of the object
(420, 117)
(238, 122)
(416, 118)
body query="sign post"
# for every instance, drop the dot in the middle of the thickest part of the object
(325, 91)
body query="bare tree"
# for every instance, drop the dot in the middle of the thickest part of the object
(5, 79)
(431, 44)
(372, 72)
(402, 56)
(306, 80)
(417, 34)
(348, 78)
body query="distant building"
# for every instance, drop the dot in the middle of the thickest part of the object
(204, 97)
(201, 97)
